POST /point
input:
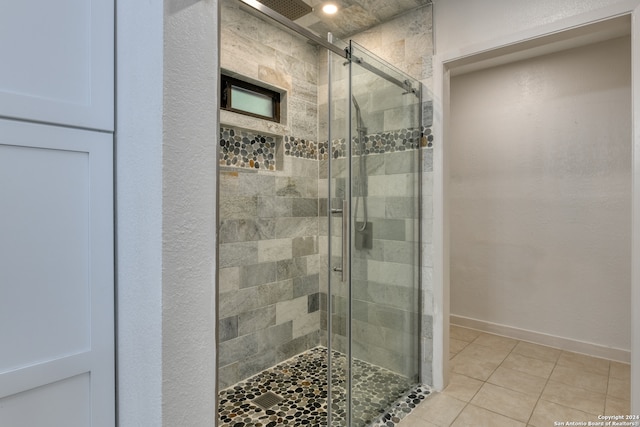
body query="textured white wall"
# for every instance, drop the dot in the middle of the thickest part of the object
(541, 194)
(139, 212)
(461, 23)
(189, 221)
(166, 137)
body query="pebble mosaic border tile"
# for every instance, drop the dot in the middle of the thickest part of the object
(380, 143)
(402, 407)
(304, 148)
(302, 382)
(244, 149)
(427, 140)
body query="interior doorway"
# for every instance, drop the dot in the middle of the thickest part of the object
(554, 39)
(540, 199)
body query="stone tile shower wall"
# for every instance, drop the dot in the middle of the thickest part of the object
(269, 266)
(385, 308)
(247, 149)
(254, 49)
(268, 218)
(407, 43)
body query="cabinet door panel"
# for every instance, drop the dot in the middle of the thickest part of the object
(56, 277)
(57, 62)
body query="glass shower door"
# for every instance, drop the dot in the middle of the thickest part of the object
(374, 276)
(338, 292)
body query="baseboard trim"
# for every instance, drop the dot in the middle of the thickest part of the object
(543, 339)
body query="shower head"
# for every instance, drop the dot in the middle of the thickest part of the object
(291, 9)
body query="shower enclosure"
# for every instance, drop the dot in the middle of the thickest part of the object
(319, 284)
(374, 274)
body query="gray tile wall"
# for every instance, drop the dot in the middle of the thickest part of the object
(386, 300)
(407, 43)
(268, 218)
(260, 51)
(269, 275)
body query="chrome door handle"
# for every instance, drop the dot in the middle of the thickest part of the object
(345, 238)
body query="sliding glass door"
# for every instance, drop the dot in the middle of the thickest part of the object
(373, 297)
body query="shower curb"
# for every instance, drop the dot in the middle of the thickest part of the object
(402, 407)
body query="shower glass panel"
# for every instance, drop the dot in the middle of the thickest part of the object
(338, 251)
(374, 297)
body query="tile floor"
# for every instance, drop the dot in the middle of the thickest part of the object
(380, 397)
(502, 382)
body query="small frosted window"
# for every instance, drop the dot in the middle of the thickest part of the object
(251, 102)
(250, 99)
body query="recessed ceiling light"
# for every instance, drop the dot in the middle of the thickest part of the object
(329, 8)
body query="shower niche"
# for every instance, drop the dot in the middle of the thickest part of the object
(321, 294)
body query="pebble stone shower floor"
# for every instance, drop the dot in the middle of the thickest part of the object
(302, 382)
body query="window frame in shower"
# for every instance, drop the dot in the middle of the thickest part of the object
(227, 83)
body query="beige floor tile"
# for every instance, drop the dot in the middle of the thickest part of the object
(452, 355)
(619, 370)
(518, 381)
(584, 362)
(462, 387)
(412, 420)
(573, 397)
(620, 389)
(509, 403)
(472, 367)
(580, 378)
(455, 346)
(438, 409)
(546, 413)
(615, 406)
(537, 367)
(496, 341)
(537, 351)
(481, 352)
(473, 416)
(463, 334)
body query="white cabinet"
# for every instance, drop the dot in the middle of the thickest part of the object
(56, 277)
(57, 360)
(56, 62)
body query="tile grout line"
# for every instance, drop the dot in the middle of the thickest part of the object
(505, 358)
(547, 379)
(501, 363)
(555, 364)
(474, 395)
(606, 391)
(484, 382)
(461, 411)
